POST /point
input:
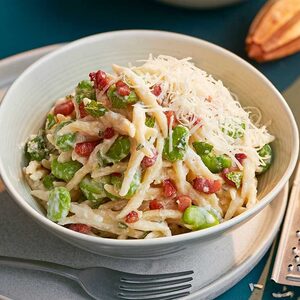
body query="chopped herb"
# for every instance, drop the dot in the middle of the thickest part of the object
(50, 122)
(139, 147)
(236, 177)
(150, 121)
(234, 132)
(36, 149)
(95, 109)
(122, 225)
(84, 89)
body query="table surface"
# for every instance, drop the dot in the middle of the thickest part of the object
(31, 24)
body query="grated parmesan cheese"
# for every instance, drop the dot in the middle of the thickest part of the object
(195, 95)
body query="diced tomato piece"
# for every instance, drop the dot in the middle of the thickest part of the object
(240, 157)
(122, 88)
(116, 174)
(82, 228)
(100, 79)
(156, 90)
(154, 204)
(207, 186)
(165, 203)
(85, 148)
(120, 83)
(65, 108)
(132, 217)
(149, 161)
(82, 110)
(183, 202)
(169, 188)
(108, 133)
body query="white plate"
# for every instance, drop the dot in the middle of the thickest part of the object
(248, 243)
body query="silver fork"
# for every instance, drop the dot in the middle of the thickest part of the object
(103, 283)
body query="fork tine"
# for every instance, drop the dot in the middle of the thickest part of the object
(151, 291)
(159, 297)
(130, 285)
(128, 277)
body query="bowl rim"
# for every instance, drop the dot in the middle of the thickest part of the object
(60, 230)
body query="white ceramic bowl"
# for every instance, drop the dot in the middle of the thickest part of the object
(28, 100)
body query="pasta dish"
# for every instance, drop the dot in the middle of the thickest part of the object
(149, 151)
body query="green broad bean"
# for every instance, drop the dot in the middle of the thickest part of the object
(214, 163)
(107, 180)
(65, 170)
(202, 148)
(66, 141)
(235, 177)
(48, 181)
(117, 181)
(58, 205)
(112, 196)
(179, 138)
(199, 218)
(36, 149)
(266, 154)
(118, 151)
(225, 161)
(119, 101)
(95, 109)
(93, 190)
(50, 121)
(84, 89)
(150, 121)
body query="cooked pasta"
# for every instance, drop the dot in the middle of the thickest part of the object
(147, 152)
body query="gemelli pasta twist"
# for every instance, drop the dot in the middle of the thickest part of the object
(146, 152)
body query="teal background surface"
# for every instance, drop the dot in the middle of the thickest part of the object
(25, 25)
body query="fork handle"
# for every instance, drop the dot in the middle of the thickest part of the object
(37, 265)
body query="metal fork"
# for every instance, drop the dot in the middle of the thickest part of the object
(103, 283)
